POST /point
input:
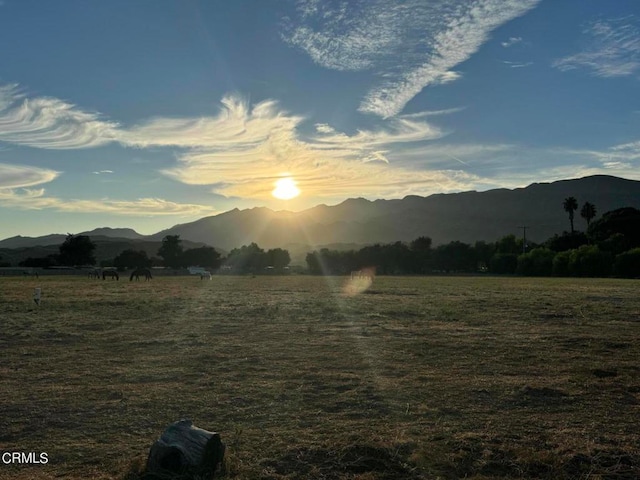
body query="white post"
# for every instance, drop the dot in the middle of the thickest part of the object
(36, 295)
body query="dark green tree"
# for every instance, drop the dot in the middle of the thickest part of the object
(421, 253)
(588, 212)
(77, 250)
(570, 205)
(627, 264)
(248, 258)
(132, 259)
(509, 244)
(624, 221)
(171, 251)
(42, 262)
(202, 257)
(278, 258)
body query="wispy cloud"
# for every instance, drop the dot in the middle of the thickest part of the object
(101, 172)
(517, 64)
(612, 50)
(327, 163)
(49, 123)
(36, 199)
(409, 45)
(511, 42)
(17, 176)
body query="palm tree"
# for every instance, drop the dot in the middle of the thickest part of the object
(588, 212)
(570, 205)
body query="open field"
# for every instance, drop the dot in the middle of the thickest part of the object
(436, 377)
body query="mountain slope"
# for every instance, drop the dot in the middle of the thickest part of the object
(466, 216)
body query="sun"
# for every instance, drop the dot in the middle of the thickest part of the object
(286, 189)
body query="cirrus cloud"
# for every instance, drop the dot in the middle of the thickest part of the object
(613, 49)
(36, 199)
(49, 123)
(19, 176)
(411, 45)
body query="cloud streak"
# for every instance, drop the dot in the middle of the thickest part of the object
(49, 123)
(410, 45)
(36, 199)
(613, 49)
(17, 176)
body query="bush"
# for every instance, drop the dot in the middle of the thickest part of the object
(538, 262)
(503, 263)
(589, 261)
(560, 266)
(627, 264)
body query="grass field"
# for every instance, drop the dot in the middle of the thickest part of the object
(437, 377)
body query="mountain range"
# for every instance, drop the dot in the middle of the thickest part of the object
(465, 216)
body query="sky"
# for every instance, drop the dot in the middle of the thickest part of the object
(151, 113)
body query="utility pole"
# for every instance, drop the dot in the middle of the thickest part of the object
(524, 238)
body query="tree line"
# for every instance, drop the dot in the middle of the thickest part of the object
(610, 246)
(79, 250)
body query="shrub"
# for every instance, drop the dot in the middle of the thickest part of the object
(538, 262)
(560, 267)
(503, 263)
(589, 261)
(627, 264)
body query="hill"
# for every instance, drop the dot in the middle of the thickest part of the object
(466, 216)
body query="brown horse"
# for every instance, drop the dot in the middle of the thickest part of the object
(141, 271)
(110, 273)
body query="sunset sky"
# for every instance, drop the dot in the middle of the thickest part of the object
(150, 113)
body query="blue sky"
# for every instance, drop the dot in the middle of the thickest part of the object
(147, 113)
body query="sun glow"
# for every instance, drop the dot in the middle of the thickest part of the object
(286, 189)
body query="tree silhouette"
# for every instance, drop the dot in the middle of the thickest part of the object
(171, 251)
(132, 259)
(570, 205)
(77, 250)
(588, 212)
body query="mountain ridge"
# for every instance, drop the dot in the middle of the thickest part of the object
(465, 216)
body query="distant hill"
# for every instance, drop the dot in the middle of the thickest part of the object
(114, 233)
(466, 216)
(57, 238)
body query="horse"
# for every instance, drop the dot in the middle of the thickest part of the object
(95, 273)
(141, 271)
(110, 273)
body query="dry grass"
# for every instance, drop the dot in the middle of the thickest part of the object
(415, 378)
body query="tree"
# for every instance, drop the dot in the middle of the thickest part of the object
(421, 253)
(627, 264)
(132, 259)
(171, 251)
(43, 262)
(278, 258)
(202, 257)
(570, 205)
(625, 221)
(509, 244)
(77, 250)
(248, 258)
(588, 212)
(538, 262)
(566, 241)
